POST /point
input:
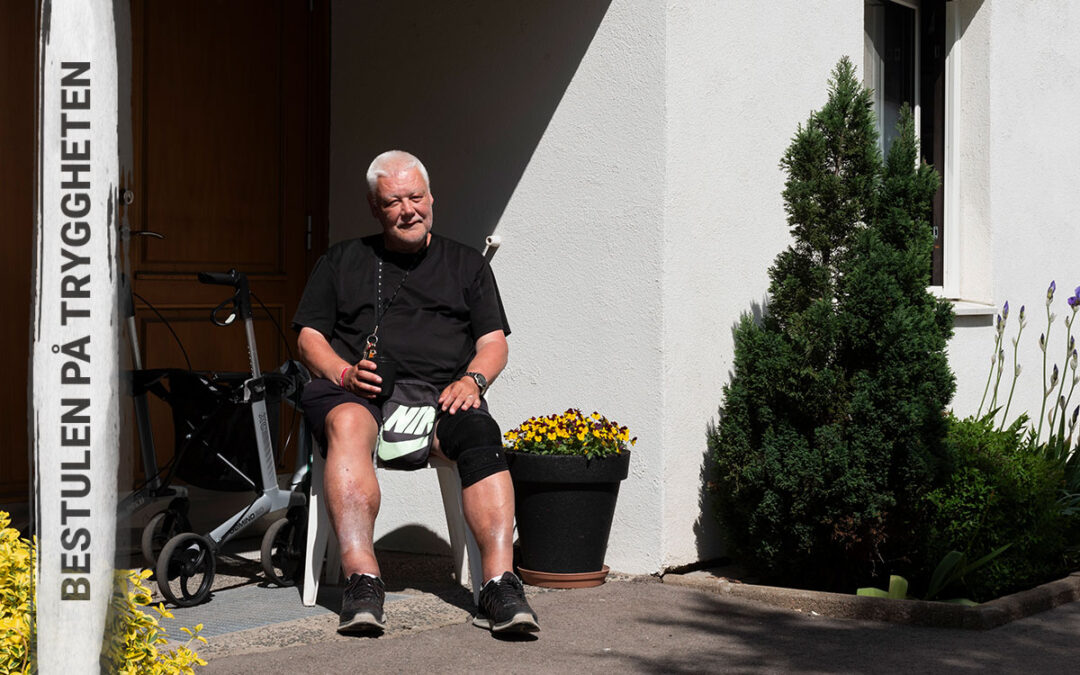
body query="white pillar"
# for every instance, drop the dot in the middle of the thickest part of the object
(74, 332)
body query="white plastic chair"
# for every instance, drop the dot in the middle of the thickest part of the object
(322, 543)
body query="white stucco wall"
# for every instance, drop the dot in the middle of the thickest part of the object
(739, 81)
(1021, 142)
(580, 268)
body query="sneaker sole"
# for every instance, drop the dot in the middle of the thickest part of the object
(364, 623)
(522, 622)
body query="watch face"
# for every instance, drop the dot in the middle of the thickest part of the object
(480, 380)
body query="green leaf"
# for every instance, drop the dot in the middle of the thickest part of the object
(984, 560)
(898, 587)
(942, 575)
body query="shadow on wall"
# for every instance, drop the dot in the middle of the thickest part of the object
(975, 321)
(708, 533)
(466, 86)
(413, 539)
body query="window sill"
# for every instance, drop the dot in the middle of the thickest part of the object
(963, 307)
(969, 308)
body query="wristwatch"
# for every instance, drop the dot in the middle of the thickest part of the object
(480, 380)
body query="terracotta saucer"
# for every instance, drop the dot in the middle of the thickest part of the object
(559, 580)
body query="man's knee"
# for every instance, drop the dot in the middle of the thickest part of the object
(349, 418)
(350, 423)
(472, 439)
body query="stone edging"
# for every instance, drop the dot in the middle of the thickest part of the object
(912, 612)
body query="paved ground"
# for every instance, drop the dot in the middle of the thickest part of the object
(652, 627)
(630, 624)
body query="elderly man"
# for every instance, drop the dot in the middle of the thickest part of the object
(431, 306)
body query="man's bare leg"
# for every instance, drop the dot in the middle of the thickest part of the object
(352, 497)
(352, 490)
(489, 511)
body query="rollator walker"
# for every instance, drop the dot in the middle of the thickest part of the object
(217, 450)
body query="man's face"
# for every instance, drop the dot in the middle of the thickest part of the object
(402, 203)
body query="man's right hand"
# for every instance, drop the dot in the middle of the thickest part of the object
(321, 360)
(362, 380)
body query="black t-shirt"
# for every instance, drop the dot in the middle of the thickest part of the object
(447, 301)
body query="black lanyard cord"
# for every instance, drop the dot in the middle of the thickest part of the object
(370, 348)
(380, 310)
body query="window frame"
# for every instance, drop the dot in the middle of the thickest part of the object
(932, 88)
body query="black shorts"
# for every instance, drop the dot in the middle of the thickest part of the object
(320, 396)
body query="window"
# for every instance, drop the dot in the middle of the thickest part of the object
(904, 62)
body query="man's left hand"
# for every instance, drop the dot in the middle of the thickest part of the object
(460, 395)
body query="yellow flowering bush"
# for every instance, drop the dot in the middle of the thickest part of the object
(135, 639)
(17, 563)
(571, 433)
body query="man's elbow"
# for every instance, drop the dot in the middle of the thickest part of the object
(307, 342)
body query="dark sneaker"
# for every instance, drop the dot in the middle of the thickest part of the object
(503, 608)
(362, 606)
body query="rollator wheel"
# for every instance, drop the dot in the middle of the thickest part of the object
(185, 569)
(161, 528)
(283, 549)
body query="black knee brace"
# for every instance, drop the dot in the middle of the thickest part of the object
(472, 439)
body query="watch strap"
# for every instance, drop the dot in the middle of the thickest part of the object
(479, 379)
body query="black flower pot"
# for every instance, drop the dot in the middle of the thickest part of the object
(565, 505)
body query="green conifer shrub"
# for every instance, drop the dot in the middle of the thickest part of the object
(832, 426)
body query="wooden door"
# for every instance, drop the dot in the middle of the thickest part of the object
(228, 110)
(18, 46)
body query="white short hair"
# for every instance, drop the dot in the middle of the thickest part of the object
(394, 161)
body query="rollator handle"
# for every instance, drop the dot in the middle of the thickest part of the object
(236, 279)
(230, 278)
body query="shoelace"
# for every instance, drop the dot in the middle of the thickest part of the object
(363, 587)
(504, 593)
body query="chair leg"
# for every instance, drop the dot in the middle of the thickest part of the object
(463, 544)
(321, 541)
(476, 568)
(315, 547)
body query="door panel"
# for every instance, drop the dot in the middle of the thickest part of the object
(18, 40)
(214, 148)
(222, 123)
(229, 105)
